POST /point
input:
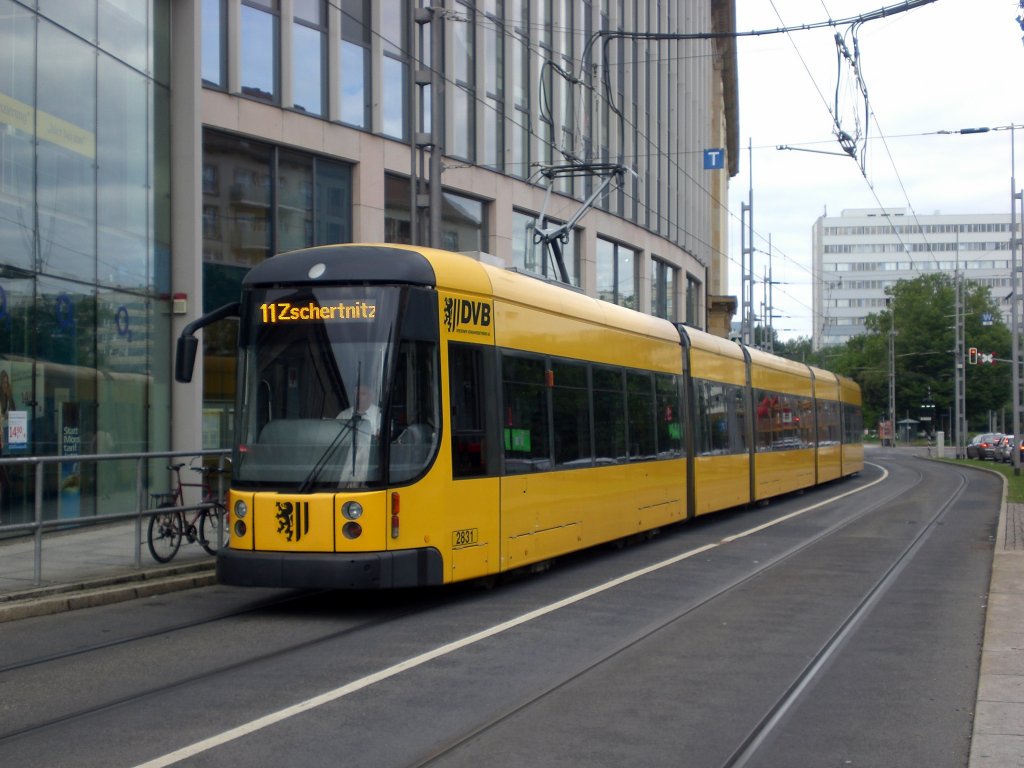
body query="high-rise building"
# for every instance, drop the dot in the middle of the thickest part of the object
(860, 253)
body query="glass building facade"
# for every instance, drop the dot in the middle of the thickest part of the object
(84, 243)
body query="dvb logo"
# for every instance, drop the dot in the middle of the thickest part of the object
(460, 314)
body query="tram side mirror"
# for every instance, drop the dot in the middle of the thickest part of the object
(188, 344)
(185, 358)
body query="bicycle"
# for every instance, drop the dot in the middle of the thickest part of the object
(206, 524)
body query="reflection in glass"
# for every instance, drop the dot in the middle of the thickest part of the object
(605, 270)
(352, 77)
(17, 174)
(462, 218)
(295, 201)
(78, 17)
(213, 51)
(393, 97)
(308, 68)
(122, 176)
(66, 155)
(530, 256)
(123, 32)
(259, 54)
(333, 202)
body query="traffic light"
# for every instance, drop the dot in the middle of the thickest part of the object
(972, 356)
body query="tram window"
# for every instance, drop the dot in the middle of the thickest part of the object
(768, 409)
(805, 408)
(527, 446)
(739, 438)
(570, 399)
(414, 408)
(640, 407)
(780, 421)
(825, 425)
(468, 418)
(853, 423)
(721, 421)
(714, 417)
(669, 416)
(609, 416)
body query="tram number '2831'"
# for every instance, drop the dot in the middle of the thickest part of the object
(465, 537)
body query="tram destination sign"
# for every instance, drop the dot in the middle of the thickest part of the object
(287, 312)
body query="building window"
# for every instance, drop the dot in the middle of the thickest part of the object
(462, 139)
(260, 49)
(354, 63)
(529, 256)
(519, 125)
(265, 200)
(309, 38)
(616, 275)
(462, 218)
(694, 291)
(663, 289)
(394, 80)
(493, 151)
(214, 51)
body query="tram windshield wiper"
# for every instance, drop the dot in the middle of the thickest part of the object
(321, 462)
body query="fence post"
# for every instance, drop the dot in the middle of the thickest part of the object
(139, 506)
(37, 565)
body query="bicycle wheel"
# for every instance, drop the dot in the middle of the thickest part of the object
(165, 530)
(211, 528)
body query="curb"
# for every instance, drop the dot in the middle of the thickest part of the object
(47, 601)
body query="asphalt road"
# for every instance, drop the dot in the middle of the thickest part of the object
(841, 627)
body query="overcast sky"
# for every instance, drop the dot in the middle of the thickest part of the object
(949, 65)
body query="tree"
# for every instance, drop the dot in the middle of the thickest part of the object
(921, 315)
(799, 349)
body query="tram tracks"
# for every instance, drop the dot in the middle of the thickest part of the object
(749, 746)
(585, 666)
(378, 619)
(170, 629)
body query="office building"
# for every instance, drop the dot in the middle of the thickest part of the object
(860, 253)
(151, 151)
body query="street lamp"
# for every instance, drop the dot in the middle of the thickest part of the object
(892, 367)
(1014, 304)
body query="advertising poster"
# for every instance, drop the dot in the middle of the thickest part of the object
(16, 438)
(70, 445)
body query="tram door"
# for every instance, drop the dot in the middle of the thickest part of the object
(473, 502)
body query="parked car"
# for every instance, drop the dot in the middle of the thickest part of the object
(988, 451)
(1004, 449)
(982, 445)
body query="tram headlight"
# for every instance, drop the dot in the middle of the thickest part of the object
(241, 509)
(352, 510)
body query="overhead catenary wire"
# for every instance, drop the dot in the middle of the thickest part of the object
(507, 27)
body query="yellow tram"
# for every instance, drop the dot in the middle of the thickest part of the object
(408, 416)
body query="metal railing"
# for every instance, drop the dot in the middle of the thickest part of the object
(143, 490)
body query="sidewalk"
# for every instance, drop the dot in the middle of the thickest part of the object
(89, 566)
(998, 739)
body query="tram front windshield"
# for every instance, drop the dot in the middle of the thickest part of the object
(338, 387)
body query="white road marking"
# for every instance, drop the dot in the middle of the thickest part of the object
(327, 697)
